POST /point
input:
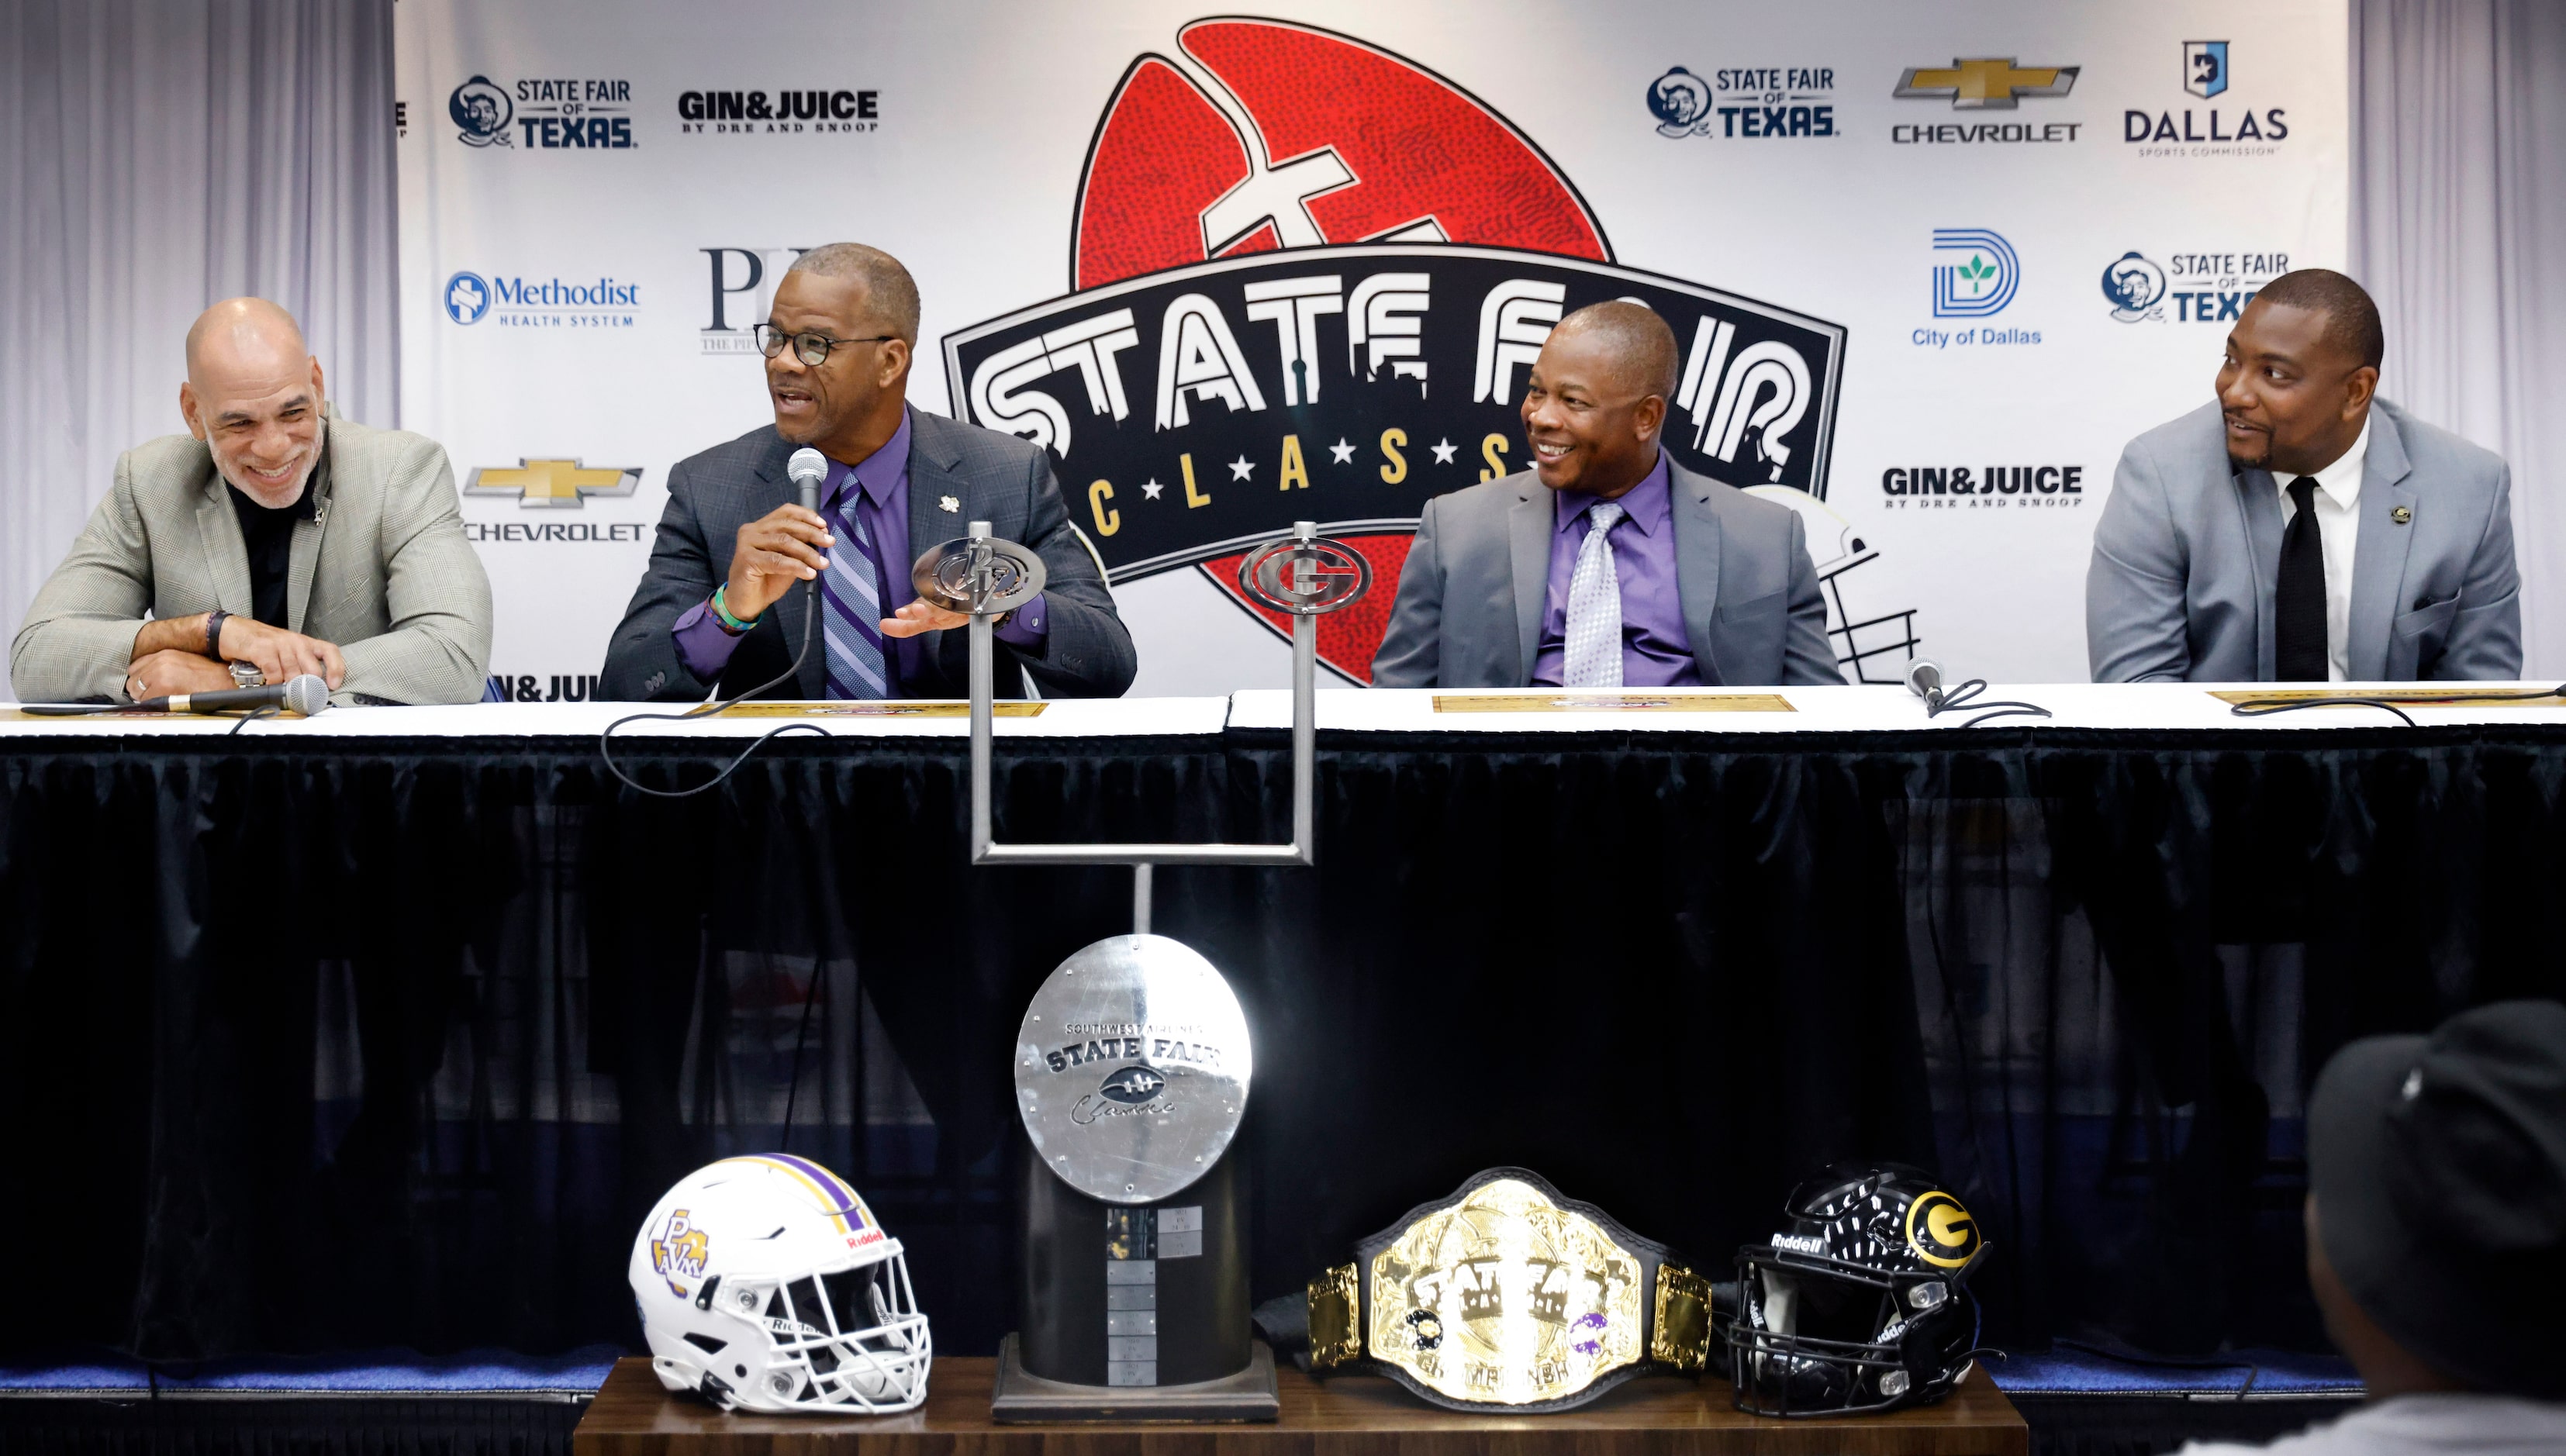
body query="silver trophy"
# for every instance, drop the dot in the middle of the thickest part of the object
(1132, 1067)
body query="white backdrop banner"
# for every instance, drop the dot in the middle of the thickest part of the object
(1932, 267)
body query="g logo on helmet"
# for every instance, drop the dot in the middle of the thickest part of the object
(679, 1252)
(1940, 1231)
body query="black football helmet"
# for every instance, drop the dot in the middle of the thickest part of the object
(1862, 1303)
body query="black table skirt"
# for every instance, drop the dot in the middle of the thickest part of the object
(340, 1044)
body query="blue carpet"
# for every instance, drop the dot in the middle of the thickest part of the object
(2068, 1371)
(372, 1372)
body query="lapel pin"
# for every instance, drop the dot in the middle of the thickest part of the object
(950, 506)
(2401, 514)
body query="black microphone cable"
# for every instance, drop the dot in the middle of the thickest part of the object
(1972, 694)
(2265, 707)
(810, 622)
(806, 469)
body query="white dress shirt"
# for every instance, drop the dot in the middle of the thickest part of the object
(2338, 528)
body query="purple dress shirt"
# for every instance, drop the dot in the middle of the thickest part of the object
(879, 496)
(1656, 651)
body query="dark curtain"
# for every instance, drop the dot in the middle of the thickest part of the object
(340, 1045)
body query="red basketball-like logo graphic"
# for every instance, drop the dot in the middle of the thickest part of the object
(1268, 134)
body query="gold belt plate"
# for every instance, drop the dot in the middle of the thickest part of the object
(1506, 1299)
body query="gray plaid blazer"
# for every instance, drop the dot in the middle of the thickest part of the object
(381, 571)
(999, 479)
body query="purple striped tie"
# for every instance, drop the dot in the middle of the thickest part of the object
(854, 620)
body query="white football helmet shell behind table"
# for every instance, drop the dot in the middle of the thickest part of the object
(765, 1284)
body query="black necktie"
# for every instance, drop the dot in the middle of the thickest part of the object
(2299, 602)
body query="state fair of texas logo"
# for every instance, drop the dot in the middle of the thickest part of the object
(1308, 276)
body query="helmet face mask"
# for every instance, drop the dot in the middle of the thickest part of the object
(764, 1284)
(1862, 1305)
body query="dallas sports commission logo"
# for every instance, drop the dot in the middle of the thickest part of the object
(1308, 275)
(544, 113)
(2220, 132)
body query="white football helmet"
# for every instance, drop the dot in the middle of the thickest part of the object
(765, 1284)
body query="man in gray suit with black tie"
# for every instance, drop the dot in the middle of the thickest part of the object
(718, 609)
(2299, 529)
(1607, 564)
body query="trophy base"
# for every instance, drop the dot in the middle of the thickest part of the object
(1021, 1396)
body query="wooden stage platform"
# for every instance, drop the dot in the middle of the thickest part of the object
(1358, 1415)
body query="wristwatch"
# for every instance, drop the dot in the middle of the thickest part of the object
(246, 674)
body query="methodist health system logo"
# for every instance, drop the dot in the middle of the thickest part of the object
(1980, 277)
(520, 302)
(1308, 276)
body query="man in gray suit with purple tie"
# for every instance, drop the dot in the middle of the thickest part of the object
(717, 609)
(1607, 564)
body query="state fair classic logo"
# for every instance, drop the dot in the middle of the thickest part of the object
(1309, 275)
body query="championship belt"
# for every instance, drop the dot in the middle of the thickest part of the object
(1508, 1297)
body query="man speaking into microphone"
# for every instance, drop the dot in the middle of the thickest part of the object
(722, 604)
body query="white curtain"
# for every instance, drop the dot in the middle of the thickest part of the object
(2458, 230)
(157, 155)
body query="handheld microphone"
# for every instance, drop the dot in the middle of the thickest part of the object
(809, 467)
(1924, 679)
(305, 694)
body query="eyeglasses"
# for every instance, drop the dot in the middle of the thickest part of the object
(811, 349)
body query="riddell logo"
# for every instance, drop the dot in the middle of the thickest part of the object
(1309, 276)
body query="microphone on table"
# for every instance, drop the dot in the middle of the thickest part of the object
(303, 693)
(1924, 679)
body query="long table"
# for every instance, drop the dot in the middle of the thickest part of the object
(388, 1026)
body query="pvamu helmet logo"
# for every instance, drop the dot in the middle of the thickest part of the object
(677, 1252)
(1308, 277)
(1941, 1232)
(482, 109)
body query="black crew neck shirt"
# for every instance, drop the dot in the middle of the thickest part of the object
(269, 534)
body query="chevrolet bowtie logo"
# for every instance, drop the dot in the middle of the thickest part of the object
(1985, 85)
(554, 483)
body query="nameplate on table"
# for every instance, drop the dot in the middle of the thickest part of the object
(1613, 702)
(2426, 697)
(859, 708)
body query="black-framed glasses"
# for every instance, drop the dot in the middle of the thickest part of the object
(811, 349)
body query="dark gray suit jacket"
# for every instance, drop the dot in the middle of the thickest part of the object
(2181, 587)
(1470, 599)
(999, 479)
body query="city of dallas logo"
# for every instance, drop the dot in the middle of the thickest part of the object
(1199, 410)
